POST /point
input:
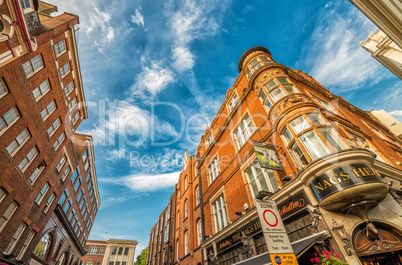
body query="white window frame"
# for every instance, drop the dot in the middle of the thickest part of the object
(27, 242)
(58, 142)
(254, 177)
(199, 232)
(213, 169)
(75, 118)
(41, 93)
(59, 51)
(8, 125)
(186, 243)
(46, 109)
(16, 237)
(49, 202)
(197, 196)
(209, 140)
(63, 68)
(3, 88)
(233, 102)
(31, 66)
(8, 214)
(61, 163)
(55, 125)
(28, 159)
(185, 209)
(72, 104)
(42, 193)
(219, 216)
(65, 174)
(249, 129)
(19, 144)
(32, 179)
(68, 88)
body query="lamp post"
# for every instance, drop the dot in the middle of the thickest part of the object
(340, 231)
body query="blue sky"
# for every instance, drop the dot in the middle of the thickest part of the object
(156, 72)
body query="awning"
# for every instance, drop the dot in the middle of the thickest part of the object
(299, 247)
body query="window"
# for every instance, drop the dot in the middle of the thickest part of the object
(117, 262)
(63, 197)
(94, 250)
(59, 140)
(62, 259)
(28, 159)
(3, 88)
(111, 262)
(59, 48)
(299, 155)
(186, 243)
(90, 185)
(185, 209)
(74, 222)
(43, 246)
(91, 192)
(261, 179)
(82, 203)
(209, 140)
(68, 205)
(185, 182)
(78, 184)
(313, 144)
(65, 174)
(7, 214)
(45, 113)
(101, 250)
(277, 94)
(219, 213)
(19, 141)
(89, 177)
(56, 124)
(24, 247)
(64, 70)
(15, 238)
(49, 202)
(243, 131)
(32, 66)
(232, 102)
(166, 236)
(213, 169)
(378, 133)
(68, 88)
(300, 227)
(324, 104)
(72, 213)
(72, 104)
(9, 118)
(197, 196)
(42, 193)
(120, 251)
(85, 216)
(61, 163)
(75, 118)
(86, 166)
(332, 138)
(41, 90)
(255, 65)
(75, 175)
(287, 135)
(37, 172)
(316, 119)
(299, 124)
(114, 250)
(86, 249)
(199, 232)
(3, 194)
(361, 143)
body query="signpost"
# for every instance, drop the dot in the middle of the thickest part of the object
(276, 238)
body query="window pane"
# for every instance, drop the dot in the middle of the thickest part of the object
(299, 124)
(316, 119)
(286, 133)
(267, 103)
(314, 146)
(290, 89)
(282, 80)
(270, 85)
(332, 139)
(277, 94)
(299, 155)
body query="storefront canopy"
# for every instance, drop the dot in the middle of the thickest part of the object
(299, 247)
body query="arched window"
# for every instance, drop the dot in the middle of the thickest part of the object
(276, 89)
(42, 248)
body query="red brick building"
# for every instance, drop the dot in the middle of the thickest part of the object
(333, 170)
(48, 189)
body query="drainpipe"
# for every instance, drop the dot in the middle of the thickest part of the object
(201, 205)
(21, 22)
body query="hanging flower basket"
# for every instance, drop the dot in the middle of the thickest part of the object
(327, 258)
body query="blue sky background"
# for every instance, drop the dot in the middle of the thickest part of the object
(149, 67)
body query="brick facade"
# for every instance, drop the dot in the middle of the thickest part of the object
(271, 101)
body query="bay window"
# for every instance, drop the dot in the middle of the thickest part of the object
(256, 64)
(332, 138)
(276, 89)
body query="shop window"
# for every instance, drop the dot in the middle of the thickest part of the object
(261, 179)
(260, 245)
(243, 131)
(299, 227)
(43, 246)
(219, 213)
(233, 256)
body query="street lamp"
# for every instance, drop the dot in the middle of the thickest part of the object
(263, 194)
(341, 233)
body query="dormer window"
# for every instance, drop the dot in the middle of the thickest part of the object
(255, 64)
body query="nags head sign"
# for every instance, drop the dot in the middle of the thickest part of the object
(344, 177)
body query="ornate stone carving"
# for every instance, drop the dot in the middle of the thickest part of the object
(286, 103)
(267, 75)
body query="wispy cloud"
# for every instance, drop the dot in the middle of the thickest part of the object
(138, 18)
(334, 55)
(153, 78)
(182, 58)
(145, 183)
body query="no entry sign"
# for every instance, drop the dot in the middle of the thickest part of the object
(276, 238)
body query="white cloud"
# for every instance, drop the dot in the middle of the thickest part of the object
(183, 59)
(334, 55)
(138, 18)
(396, 113)
(145, 183)
(115, 154)
(153, 78)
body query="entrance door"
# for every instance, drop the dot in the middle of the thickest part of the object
(378, 244)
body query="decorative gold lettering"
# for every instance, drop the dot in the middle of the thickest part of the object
(326, 183)
(302, 203)
(357, 173)
(345, 175)
(334, 179)
(368, 172)
(318, 187)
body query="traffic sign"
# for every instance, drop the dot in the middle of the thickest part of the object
(276, 238)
